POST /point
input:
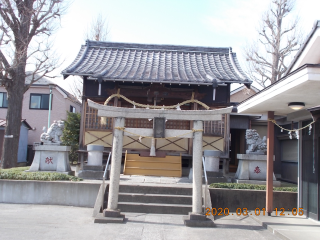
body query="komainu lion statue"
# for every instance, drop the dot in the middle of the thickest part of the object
(255, 144)
(54, 133)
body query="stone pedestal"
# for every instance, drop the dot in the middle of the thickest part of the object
(53, 158)
(95, 154)
(252, 167)
(93, 169)
(212, 159)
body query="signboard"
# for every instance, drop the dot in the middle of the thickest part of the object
(159, 125)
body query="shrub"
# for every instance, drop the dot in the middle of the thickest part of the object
(71, 134)
(20, 174)
(251, 186)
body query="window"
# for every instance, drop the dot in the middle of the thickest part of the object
(3, 100)
(72, 109)
(39, 101)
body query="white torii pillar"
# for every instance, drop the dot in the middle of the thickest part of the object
(192, 115)
(116, 163)
(197, 168)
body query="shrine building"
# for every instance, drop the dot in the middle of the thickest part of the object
(156, 75)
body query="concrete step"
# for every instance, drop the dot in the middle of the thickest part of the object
(155, 198)
(214, 174)
(179, 190)
(155, 208)
(88, 174)
(215, 180)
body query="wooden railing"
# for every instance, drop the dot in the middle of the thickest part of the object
(214, 128)
(93, 122)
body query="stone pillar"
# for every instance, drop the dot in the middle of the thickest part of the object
(197, 168)
(115, 164)
(196, 218)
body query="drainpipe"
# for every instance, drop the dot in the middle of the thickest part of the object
(50, 99)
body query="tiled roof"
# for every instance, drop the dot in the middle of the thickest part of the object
(156, 63)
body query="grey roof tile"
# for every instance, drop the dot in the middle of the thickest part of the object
(156, 63)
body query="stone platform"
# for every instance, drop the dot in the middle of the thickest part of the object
(51, 158)
(252, 167)
(91, 172)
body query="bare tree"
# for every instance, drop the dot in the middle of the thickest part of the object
(76, 85)
(278, 39)
(25, 29)
(97, 31)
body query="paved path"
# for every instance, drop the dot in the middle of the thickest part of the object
(290, 226)
(24, 221)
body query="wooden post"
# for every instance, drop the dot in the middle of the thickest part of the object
(270, 153)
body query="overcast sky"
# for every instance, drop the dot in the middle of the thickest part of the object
(214, 23)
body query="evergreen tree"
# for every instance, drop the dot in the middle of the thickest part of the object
(71, 134)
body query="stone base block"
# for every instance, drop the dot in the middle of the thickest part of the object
(275, 183)
(101, 219)
(51, 158)
(112, 213)
(87, 174)
(93, 168)
(197, 220)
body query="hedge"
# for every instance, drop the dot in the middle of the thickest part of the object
(20, 174)
(251, 186)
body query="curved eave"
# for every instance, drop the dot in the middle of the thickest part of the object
(164, 81)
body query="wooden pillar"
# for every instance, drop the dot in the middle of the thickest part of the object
(270, 153)
(82, 131)
(82, 122)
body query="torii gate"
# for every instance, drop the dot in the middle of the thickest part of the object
(119, 114)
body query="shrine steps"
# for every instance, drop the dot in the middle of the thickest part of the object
(155, 199)
(169, 166)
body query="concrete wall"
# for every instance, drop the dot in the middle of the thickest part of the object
(250, 199)
(78, 194)
(38, 118)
